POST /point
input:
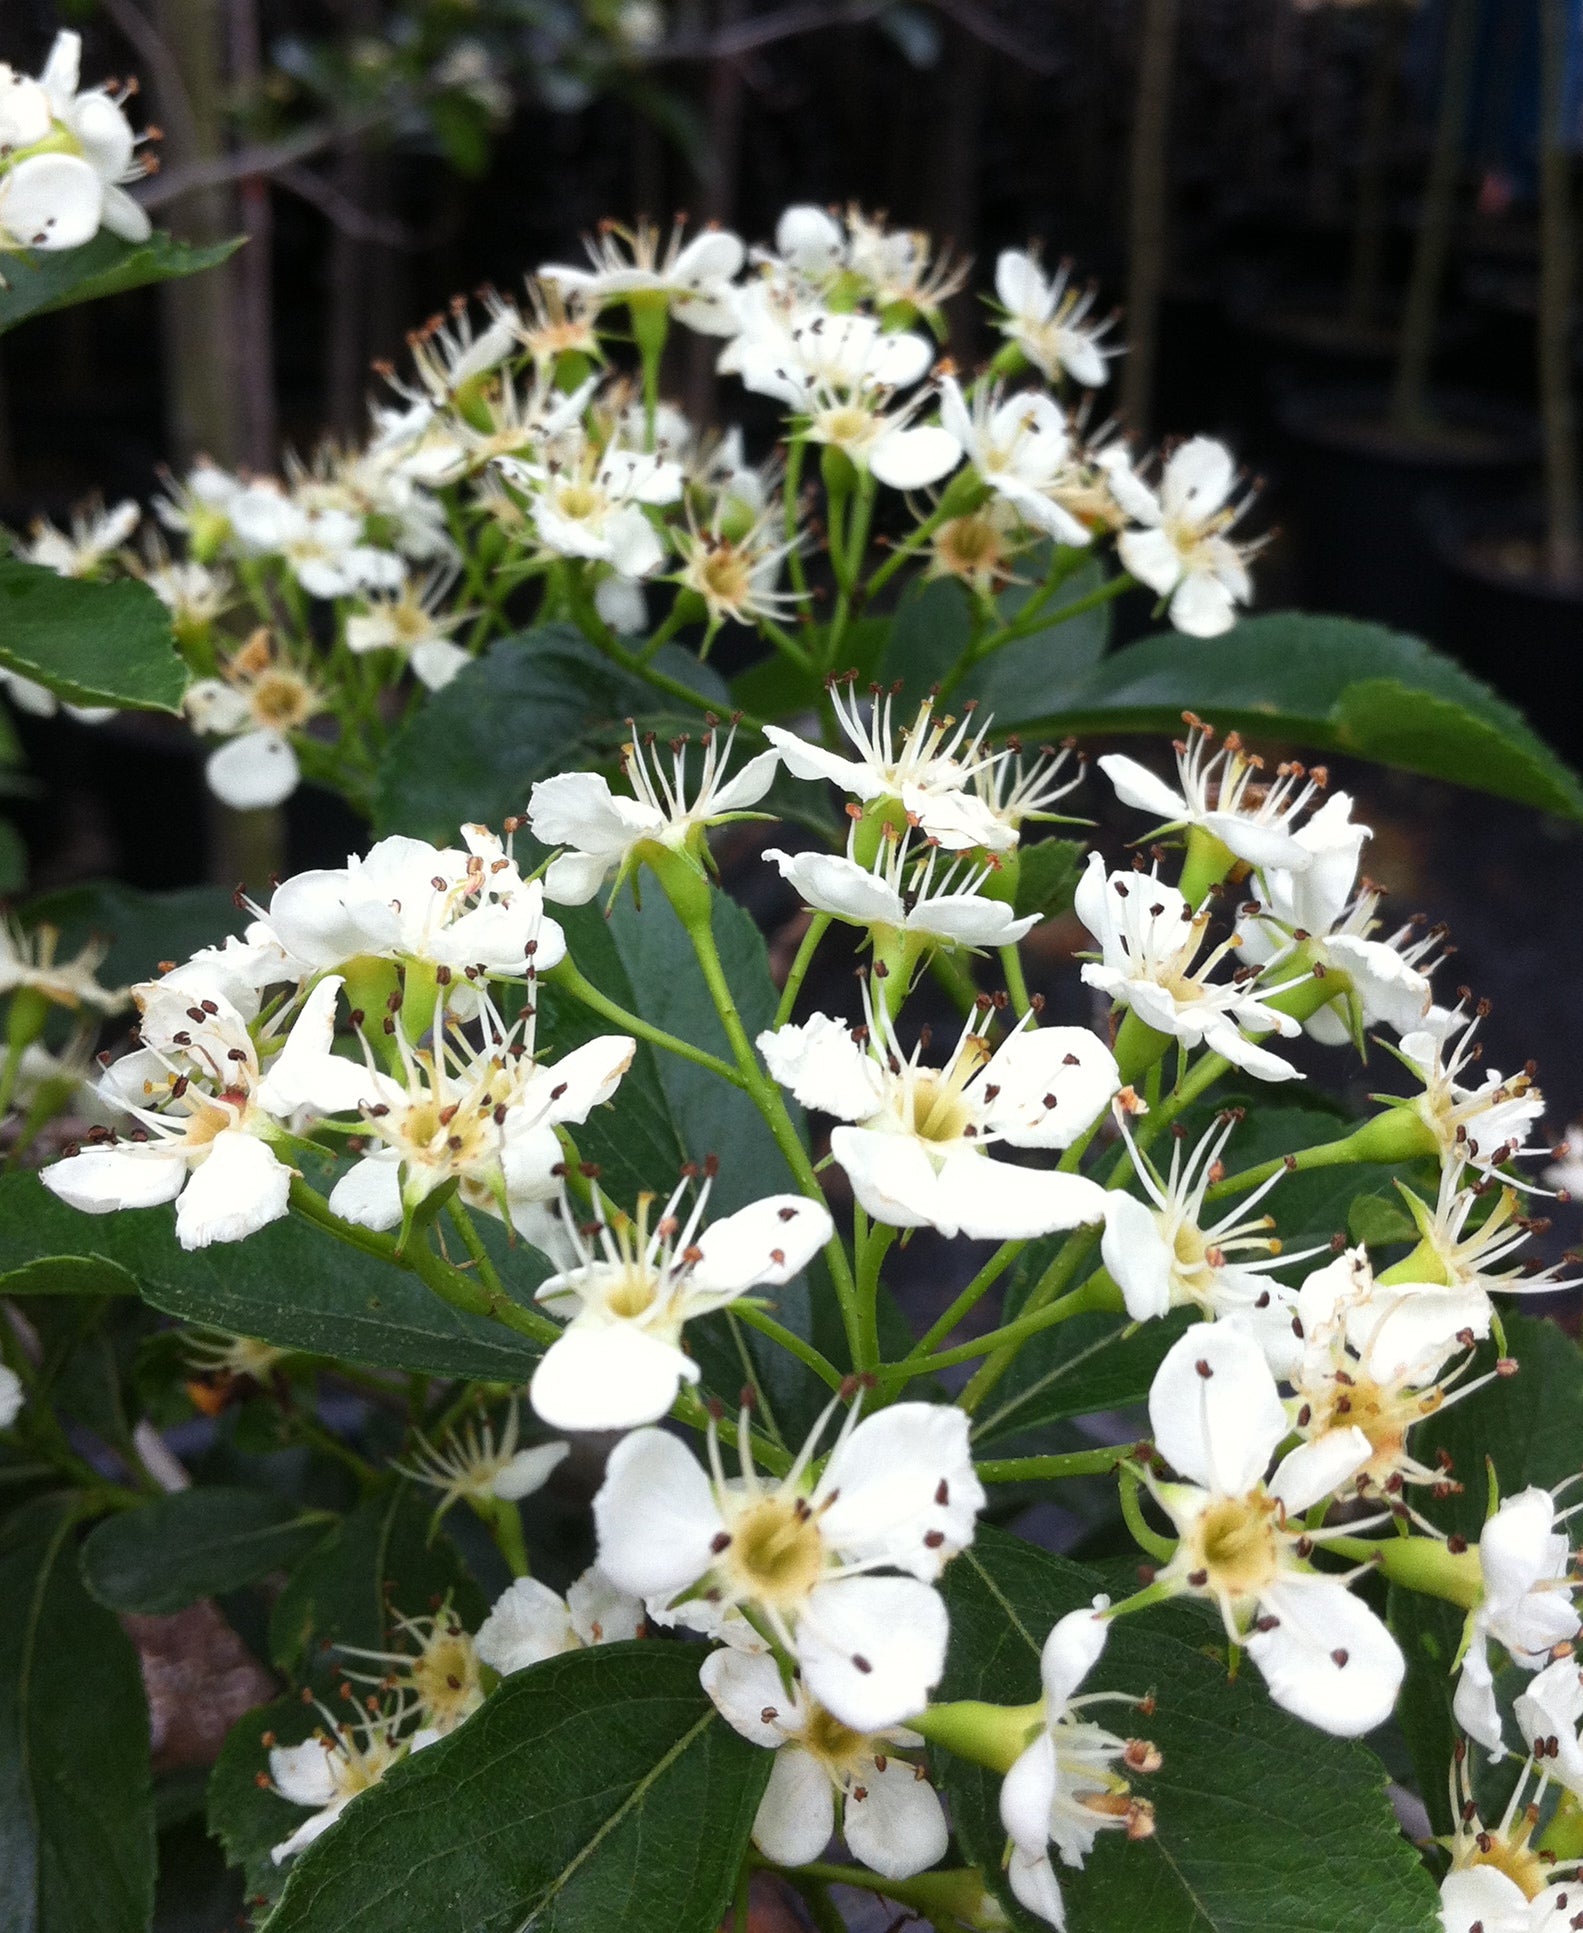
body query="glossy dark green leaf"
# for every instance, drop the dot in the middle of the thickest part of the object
(1328, 683)
(379, 1560)
(473, 750)
(247, 1817)
(195, 1543)
(92, 644)
(597, 1790)
(68, 1275)
(76, 1801)
(1261, 1822)
(1047, 874)
(38, 282)
(288, 1285)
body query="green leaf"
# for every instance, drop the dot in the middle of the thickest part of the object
(76, 1800)
(1260, 1821)
(68, 1275)
(473, 750)
(195, 1543)
(1530, 1426)
(288, 1284)
(249, 1818)
(143, 928)
(379, 1559)
(37, 282)
(597, 1790)
(91, 644)
(1047, 876)
(1091, 1362)
(1330, 683)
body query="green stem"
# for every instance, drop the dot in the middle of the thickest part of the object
(464, 1225)
(969, 1299)
(873, 1247)
(790, 503)
(505, 1526)
(818, 926)
(1162, 1549)
(794, 1344)
(1073, 1253)
(1040, 1469)
(1016, 985)
(955, 1896)
(568, 978)
(662, 637)
(1014, 1334)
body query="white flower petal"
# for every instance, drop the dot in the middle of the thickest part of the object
(830, 883)
(1318, 1469)
(655, 1516)
(796, 1816)
(527, 1624)
(893, 1820)
(1139, 1258)
(1073, 1648)
(744, 1686)
(892, 1177)
(907, 459)
(989, 1200)
(301, 1773)
(1026, 1795)
(256, 770)
(238, 1189)
(768, 1242)
(873, 1648)
(1218, 1428)
(888, 1479)
(369, 1193)
(608, 1376)
(600, 1613)
(101, 1180)
(824, 1067)
(1140, 788)
(528, 1471)
(1328, 1660)
(1035, 1886)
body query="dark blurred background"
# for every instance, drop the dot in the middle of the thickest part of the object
(1343, 236)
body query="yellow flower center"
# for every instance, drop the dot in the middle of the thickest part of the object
(835, 1744)
(776, 1555)
(281, 700)
(1234, 1543)
(633, 1292)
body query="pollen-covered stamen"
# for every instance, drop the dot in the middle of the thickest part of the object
(440, 1675)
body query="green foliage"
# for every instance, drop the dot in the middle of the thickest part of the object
(1047, 876)
(196, 1543)
(285, 1285)
(76, 1804)
(143, 928)
(91, 644)
(246, 1816)
(37, 282)
(512, 716)
(597, 1790)
(1261, 1821)
(1327, 683)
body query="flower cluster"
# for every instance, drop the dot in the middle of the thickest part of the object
(66, 155)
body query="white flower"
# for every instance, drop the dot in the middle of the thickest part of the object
(27, 959)
(49, 201)
(1048, 320)
(905, 892)
(406, 899)
(918, 1151)
(620, 1361)
(440, 1681)
(529, 1622)
(1373, 1357)
(255, 706)
(1500, 1881)
(926, 767)
(194, 594)
(326, 1772)
(1015, 789)
(891, 1816)
(590, 503)
(1163, 1255)
(24, 111)
(1483, 1899)
(1218, 1419)
(99, 126)
(473, 1465)
(1482, 1127)
(206, 1111)
(483, 1116)
(1526, 1566)
(897, 1491)
(1548, 1715)
(95, 535)
(841, 372)
(604, 832)
(1064, 1789)
(694, 280)
(1384, 981)
(1021, 447)
(1227, 794)
(1149, 939)
(323, 543)
(1182, 550)
(11, 1394)
(413, 622)
(736, 572)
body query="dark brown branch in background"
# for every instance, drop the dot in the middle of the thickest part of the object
(1148, 198)
(1557, 277)
(253, 274)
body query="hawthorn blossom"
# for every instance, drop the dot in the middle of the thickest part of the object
(897, 1492)
(49, 201)
(96, 534)
(903, 891)
(1014, 789)
(529, 1622)
(11, 1396)
(590, 503)
(620, 1361)
(439, 1679)
(1483, 1899)
(693, 280)
(326, 1772)
(1483, 1126)
(97, 124)
(890, 1815)
(256, 705)
(1022, 450)
(1179, 545)
(410, 623)
(407, 900)
(1048, 319)
(1500, 1881)
(1218, 1419)
(1163, 1253)
(476, 1466)
(918, 1143)
(892, 268)
(1525, 1562)
(1064, 1790)
(206, 1110)
(735, 571)
(1227, 794)
(603, 832)
(926, 767)
(1149, 939)
(28, 960)
(1382, 981)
